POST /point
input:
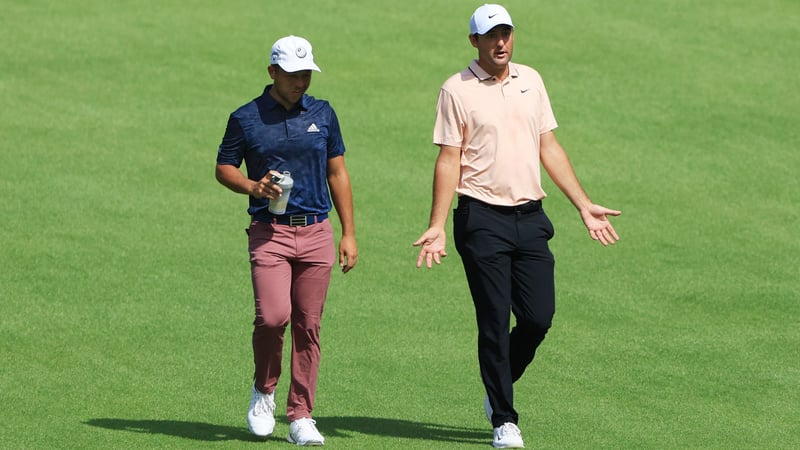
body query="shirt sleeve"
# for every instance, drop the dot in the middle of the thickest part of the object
(449, 126)
(546, 117)
(231, 150)
(335, 140)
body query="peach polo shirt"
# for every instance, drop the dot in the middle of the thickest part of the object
(497, 125)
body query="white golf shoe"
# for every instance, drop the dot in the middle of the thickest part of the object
(304, 432)
(507, 436)
(261, 413)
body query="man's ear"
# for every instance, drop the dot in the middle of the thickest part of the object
(473, 39)
(272, 71)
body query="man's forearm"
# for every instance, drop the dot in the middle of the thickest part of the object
(445, 180)
(233, 178)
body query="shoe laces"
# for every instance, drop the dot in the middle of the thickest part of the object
(509, 428)
(306, 424)
(264, 404)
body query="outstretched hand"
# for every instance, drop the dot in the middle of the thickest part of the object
(596, 221)
(433, 247)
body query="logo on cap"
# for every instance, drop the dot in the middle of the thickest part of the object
(300, 52)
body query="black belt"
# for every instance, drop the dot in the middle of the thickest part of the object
(527, 207)
(299, 221)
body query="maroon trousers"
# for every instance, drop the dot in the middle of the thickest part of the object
(291, 270)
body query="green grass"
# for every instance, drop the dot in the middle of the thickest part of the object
(125, 304)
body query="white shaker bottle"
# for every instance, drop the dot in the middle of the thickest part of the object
(285, 181)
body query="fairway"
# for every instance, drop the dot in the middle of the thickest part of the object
(125, 295)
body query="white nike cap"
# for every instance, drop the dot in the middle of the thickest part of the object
(487, 17)
(293, 54)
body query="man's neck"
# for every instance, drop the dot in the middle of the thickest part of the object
(282, 101)
(498, 72)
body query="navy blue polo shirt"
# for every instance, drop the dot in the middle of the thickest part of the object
(267, 137)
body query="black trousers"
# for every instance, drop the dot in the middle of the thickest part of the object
(510, 270)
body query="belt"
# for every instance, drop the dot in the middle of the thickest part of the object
(527, 207)
(299, 221)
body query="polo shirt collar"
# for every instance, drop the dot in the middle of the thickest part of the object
(482, 75)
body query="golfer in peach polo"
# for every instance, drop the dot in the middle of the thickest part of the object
(494, 127)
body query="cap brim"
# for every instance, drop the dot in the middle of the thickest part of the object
(489, 27)
(298, 67)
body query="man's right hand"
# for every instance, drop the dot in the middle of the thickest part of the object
(433, 247)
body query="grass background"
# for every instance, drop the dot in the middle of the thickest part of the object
(125, 304)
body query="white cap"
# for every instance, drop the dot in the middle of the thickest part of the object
(293, 54)
(487, 17)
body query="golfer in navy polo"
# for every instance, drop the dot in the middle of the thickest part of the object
(291, 253)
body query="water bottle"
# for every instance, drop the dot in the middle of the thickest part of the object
(285, 181)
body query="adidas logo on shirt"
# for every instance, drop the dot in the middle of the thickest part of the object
(313, 128)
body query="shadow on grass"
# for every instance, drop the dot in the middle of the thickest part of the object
(335, 427)
(190, 430)
(342, 427)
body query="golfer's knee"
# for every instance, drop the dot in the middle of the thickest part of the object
(271, 322)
